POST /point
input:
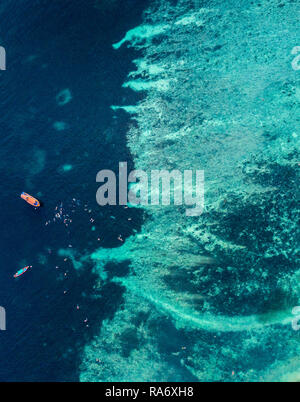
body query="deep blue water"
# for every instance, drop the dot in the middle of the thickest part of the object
(52, 46)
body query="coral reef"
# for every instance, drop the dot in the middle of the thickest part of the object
(209, 298)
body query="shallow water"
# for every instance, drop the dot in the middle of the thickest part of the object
(210, 298)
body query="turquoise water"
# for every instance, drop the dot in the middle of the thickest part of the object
(210, 298)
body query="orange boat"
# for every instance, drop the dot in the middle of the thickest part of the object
(22, 271)
(31, 200)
